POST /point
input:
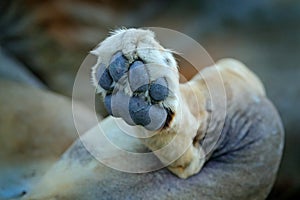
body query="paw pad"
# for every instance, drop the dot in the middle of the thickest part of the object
(138, 77)
(139, 109)
(107, 103)
(105, 79)
(159, 89)
(118, 66)
(119, 107)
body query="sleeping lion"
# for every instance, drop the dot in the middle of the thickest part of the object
(226, 142)
(139, 81)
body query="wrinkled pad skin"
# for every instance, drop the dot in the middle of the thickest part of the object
(105, 80)
(118, 66)
(158, 116)
(159, 89)
(120, 107)
(107, 103)
(136, 109)
(138, 77)
(139, 111)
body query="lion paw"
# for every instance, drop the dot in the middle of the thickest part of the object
(138, 85)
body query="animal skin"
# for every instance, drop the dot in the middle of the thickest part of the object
(242, 164)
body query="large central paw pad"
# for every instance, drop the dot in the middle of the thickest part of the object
(143, 104)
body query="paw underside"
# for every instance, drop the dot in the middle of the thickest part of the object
(131, 95)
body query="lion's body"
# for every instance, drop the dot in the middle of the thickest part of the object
(243, 166)
(233, 134)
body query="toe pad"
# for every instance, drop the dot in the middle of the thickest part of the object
(159, 89)
(137, 109)
(118, 66)
(138, 77)
(104, 78)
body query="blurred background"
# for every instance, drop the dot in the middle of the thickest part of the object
(43, 43)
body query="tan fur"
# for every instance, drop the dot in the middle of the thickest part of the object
(188, 101)
(77, 175)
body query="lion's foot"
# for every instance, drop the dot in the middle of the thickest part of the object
(131, 95)
(139, 80)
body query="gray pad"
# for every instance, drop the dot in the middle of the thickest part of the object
(158, 116)
(138, 77)
(133, 110)
(107, 103)
(139, 111)
(118, 66)
(120, 107)
(104, 78)
(159, 89)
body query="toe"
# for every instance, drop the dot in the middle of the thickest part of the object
(134, 110)
(139, 111)
(107, 103)
(104, 78)
(138, 77)
(118, 66)
(159, 89)
(120, 107)
(158, 116)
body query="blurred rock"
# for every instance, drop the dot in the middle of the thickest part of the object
(13, 70)
(36, 127)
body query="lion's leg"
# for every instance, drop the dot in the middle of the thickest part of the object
(139, 81)
(241, 168)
